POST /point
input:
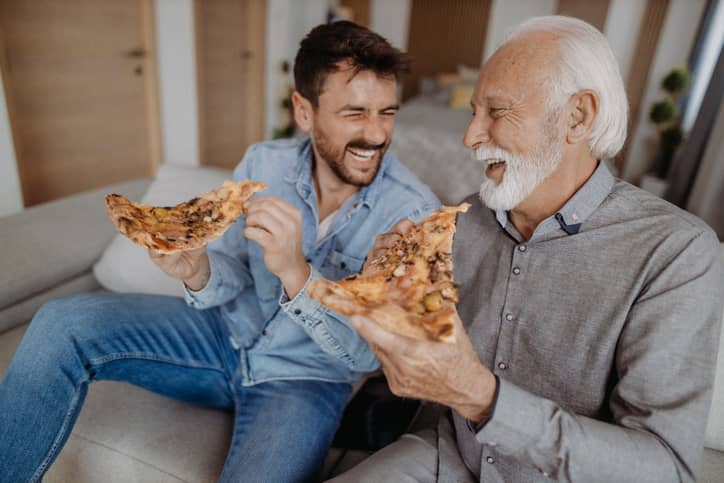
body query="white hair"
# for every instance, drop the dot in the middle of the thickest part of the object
(585, 62)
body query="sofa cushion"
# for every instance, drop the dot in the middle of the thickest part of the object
(55, 241)
(712, 467)
(125, 266)
(23, 311)
(180, 440)
(87, 461)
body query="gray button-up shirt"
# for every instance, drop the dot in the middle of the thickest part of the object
(603, 330)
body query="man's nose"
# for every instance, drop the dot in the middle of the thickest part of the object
(375, 132)
(477, 132)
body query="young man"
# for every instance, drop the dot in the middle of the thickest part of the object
(590, 309)
(248, 338)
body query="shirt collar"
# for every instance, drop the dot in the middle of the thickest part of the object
(301, 174)
(578, 208)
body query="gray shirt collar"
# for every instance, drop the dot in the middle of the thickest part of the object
(576, 210)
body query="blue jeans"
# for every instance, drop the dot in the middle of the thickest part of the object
(282, 429)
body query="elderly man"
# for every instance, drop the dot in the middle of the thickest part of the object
(590, 309)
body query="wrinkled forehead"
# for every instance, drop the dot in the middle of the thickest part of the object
(520, 68)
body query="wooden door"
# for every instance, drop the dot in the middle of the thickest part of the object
(80, 85)
(230, 62)
(444, 35)
(360, 10)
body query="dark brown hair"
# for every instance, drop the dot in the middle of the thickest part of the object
(326, 45)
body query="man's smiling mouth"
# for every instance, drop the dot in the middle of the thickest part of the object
(362, 154)
(495, 168)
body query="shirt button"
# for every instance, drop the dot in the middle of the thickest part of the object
(522, 248)
(502, 366)
(343, 265)
(297, 311)
(263, 332)
(490, 460)
(516, 270)
(509, 317)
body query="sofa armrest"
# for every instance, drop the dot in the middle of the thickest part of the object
(48, 244)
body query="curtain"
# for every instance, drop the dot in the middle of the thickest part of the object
(697, 175)
(707, 195)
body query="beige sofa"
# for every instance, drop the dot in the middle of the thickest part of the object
(125, 434)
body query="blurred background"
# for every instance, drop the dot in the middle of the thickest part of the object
(100, 91)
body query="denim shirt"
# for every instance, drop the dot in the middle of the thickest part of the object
(278, 338)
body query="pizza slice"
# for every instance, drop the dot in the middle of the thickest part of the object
(188, 225)
(408, 288)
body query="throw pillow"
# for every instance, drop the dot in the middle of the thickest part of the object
(461, 95)
(125, 266)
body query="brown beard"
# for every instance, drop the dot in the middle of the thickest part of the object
(335, 157)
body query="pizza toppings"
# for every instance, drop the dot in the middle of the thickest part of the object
(188, 225)
(409, 287)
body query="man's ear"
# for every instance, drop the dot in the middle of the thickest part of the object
(303, 111)
(583, 111)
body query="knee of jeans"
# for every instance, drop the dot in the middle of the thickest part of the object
(60, 318)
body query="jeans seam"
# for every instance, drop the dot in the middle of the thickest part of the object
(238, 405)
(153, 357)
(296, 378)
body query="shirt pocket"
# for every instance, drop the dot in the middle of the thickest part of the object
(338, 265)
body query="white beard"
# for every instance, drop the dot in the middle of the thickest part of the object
(522, 175)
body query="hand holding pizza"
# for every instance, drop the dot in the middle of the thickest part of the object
(387, 240)
(190, 266)
(277, 226)
(446, 373)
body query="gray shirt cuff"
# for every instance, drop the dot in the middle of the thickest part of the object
(517, 419)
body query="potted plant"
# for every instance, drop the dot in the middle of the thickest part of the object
(665, 115)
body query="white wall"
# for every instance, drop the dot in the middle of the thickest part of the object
(675, 42)
(175, 44)
(508, 13)
(288, 21)
(11, 197)
(391, 19)
(622, 29)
